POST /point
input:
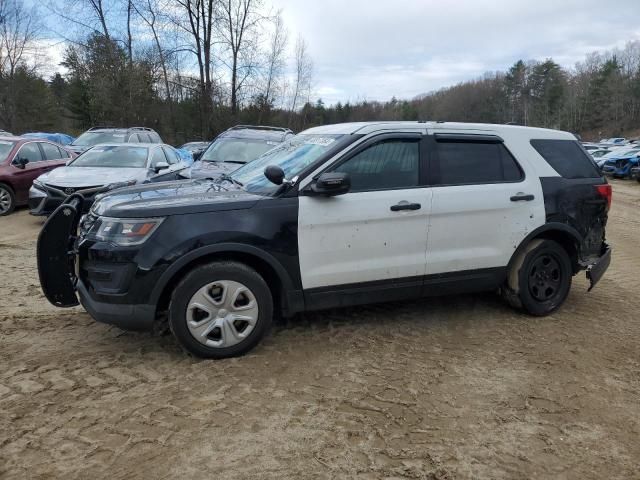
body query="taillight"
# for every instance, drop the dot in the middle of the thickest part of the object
(605, 192)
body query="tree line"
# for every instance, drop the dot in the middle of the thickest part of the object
(192, 68)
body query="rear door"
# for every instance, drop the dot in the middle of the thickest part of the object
(54, 156)
(375, 236)
(484, 203)
(175, 162)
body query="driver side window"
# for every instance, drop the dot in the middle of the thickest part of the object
(30, 151)
(157, 156)
(389, 164)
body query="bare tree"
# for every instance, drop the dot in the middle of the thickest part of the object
(147, 11)
(303, 75)
(18, 31)
(239, 21)
(275, 63)
(200, 16)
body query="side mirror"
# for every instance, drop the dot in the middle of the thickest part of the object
(21, 162)
(160, 166)
(274, 174)
(329, 184)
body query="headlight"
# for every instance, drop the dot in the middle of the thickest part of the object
(125, 231)
(38, 184)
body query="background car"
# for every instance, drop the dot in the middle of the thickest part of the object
(620, 162)
(99, 135)
(59, 138)
(596, 154)
(196, 148)
(4, 133)
(235, 147)
(21, 161)
(186, 156)
(108, 165)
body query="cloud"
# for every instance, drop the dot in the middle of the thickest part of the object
(376, 50)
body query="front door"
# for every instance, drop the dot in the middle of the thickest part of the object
(377, 233)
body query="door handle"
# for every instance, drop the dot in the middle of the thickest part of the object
(521, 197)
(405, 206)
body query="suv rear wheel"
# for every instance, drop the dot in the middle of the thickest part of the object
(541, 277)
(220, 310)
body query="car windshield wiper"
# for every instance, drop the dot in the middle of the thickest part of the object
(229, 178)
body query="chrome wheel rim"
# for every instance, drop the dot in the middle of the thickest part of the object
(222, 313)
(5, 200)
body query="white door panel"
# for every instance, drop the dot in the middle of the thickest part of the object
(478, 226)
(356, 238)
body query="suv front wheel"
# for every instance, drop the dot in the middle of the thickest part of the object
(542, 279)
(220, 310)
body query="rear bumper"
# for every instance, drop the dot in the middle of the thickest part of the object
(596, 270)
(124, 316)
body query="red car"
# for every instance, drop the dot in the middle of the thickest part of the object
(22, 160)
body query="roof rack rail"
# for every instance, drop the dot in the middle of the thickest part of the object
(146, 129)
(260, 127)
(101, 127)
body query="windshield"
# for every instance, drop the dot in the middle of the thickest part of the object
(113, 156)
(293, 157)
(94, 138)
(236, 150)
(5, 149)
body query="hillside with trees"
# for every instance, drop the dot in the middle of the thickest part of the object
(191, 68)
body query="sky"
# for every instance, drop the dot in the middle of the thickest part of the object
(379, 49)
(375, 50)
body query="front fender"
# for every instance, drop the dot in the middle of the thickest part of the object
(227, 247)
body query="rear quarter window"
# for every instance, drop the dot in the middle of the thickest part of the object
(567, 158)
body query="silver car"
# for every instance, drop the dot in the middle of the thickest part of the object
(102, 167)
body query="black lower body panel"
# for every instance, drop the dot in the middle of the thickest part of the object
(125, 316)
(596, 270)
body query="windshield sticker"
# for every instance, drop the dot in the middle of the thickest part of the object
(322, 141)
(118, 135)
(98, 149)
(272, 143)
(5, 143)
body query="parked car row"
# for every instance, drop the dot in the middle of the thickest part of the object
(616, 157)
(110, 157)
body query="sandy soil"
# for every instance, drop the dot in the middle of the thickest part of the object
(459, 387)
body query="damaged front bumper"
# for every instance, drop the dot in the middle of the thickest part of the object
(56, 253)
(596, 270)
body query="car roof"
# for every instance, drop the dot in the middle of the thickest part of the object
(371, 127)
(257, 132)
(131, 144)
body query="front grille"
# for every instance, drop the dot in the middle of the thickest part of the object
(66, 191)
(621, 163)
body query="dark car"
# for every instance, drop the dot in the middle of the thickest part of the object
(235, 147)
(338, 215)
(21, 162)
(96, 135)
(195, 148)
(621, 164)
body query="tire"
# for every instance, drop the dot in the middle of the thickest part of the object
(220, 310)
(7, 200)
(540, 279)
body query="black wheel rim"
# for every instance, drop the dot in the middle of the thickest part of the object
(545, 277)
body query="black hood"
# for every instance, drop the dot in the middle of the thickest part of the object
(173, 198)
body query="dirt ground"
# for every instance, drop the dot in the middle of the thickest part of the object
(458, 387)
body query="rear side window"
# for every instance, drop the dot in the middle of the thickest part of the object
(473, 162)
(51, 152)
(567, 158)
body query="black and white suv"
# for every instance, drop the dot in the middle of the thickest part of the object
(338, 215)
